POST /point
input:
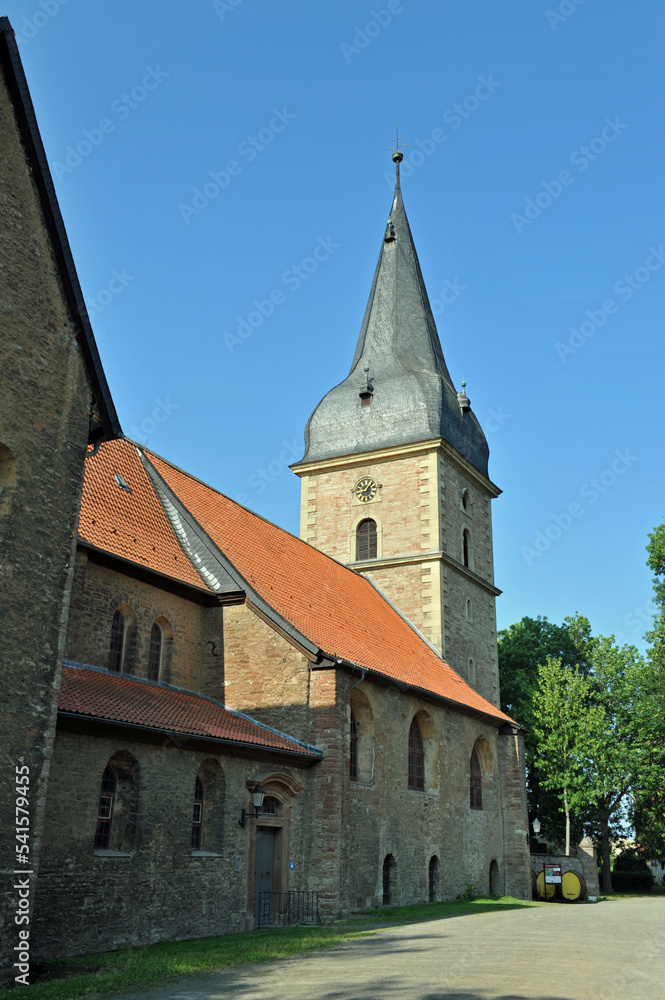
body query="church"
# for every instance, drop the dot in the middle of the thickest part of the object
(223, 726)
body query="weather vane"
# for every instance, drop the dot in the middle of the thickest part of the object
(396, 141)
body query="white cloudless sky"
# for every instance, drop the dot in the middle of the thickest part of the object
(533, 184)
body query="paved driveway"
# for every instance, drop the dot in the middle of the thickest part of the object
(603, 951)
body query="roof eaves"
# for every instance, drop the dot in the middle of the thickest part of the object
(170, 733)
(196, 694)
(27, 122)
(497, 718)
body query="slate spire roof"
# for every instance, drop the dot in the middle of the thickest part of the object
(413, 397)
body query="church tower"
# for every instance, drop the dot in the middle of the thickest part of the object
(394, 477)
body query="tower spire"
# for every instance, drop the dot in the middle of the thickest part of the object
(413, 397)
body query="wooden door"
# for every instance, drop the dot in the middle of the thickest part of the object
(264, 867)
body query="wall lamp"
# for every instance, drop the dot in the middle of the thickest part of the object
(258, 796)
(536, 826)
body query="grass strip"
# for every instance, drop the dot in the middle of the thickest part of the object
(152, 965)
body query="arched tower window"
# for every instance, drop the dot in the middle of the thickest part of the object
(155, 652)
(366, 546)
(353, 748)
(105, 810)
(117, 647)
(416, 757)
(466, 547)
(197, 817)
(472, 673)
(475, 781)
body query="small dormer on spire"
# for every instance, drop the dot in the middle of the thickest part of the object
(366, 389)
(463, 400)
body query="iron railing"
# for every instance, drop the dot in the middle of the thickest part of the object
(281, 909)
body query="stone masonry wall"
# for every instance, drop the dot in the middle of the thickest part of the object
(155, 888)
(189, 627)
(44, 416)
(386, 817)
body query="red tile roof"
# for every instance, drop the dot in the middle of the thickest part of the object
(132, 525)
(334, 607)
(99, 694)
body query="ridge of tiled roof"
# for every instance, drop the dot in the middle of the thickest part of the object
(337, 609)
(130, 525)
(97, 693)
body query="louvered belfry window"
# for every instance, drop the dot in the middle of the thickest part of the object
(416, 758)
(366, 539)
(475, 781)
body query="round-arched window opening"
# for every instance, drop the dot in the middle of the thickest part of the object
(388, 879)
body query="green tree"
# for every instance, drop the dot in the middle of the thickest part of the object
(649, 805)
(625, 747)
(565, 724)
(523, 649)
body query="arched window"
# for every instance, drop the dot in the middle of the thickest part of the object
(433, 877)
(472, 673)
(117, 648)
(353, 749)
(388, 874)
(416, 758)
(155, 653)
(105, 810)
(475, 781)
(366, 539)
(469, 610)
(494, 879)
(197, 817)
(466, 547)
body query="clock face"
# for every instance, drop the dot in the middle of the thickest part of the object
(365, 489)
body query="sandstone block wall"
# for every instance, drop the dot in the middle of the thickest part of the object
(424, 504)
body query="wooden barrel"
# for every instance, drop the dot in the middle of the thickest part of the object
(541, 887)
(572, 886)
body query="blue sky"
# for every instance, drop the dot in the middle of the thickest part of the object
(533, 184)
